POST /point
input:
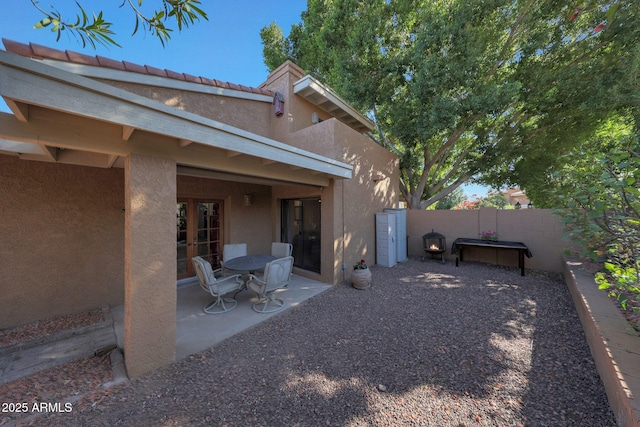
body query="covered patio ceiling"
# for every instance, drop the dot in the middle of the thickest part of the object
(59, 116)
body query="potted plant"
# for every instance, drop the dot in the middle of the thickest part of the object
(361, 275)
(489, 235)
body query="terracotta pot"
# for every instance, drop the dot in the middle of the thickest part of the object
(361, 279)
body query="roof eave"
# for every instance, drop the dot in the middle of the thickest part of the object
(60, 90)
(322, 96)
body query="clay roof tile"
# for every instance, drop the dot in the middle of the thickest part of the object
(18, 48)
(80, 58)
(262, 91)
(110, 63)
(174, 75)
(221, 84)
(155, 71)
(193, 79)
(136, 68)
(40, 52)
(47, 52)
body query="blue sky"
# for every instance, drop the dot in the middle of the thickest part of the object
(227, 47)
(472, 190)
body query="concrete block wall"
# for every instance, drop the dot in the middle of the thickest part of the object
(539, 229)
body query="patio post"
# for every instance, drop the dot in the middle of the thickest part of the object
(150, 263)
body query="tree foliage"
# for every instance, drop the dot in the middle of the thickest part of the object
(599, 189)
(97, 30)
(497, 201)
(451, 200)
(467, 89)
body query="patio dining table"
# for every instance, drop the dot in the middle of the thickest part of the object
(249, 263)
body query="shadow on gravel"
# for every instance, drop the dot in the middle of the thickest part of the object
(428, 344)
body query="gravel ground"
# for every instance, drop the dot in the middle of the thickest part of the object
(45, 328)
(427, 345)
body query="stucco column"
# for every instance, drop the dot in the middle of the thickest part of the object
(150, 263)
(332, 213)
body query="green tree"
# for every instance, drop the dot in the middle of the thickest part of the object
(467, 88)
(599, 191)
(451, 200)
(96, 30)
(573, 101)
(494, 201)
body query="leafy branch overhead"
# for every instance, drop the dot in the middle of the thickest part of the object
(462, 90)
(599, 191)
(95, 29)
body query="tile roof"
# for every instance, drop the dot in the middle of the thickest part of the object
(35, 51)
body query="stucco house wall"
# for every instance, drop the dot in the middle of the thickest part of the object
(298, 111)
(79, 237)
(243, 224)
(242, 113)
(348, 206)
(150, 264)
(61, 239)
(373, 188)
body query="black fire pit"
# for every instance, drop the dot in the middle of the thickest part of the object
(434, 244)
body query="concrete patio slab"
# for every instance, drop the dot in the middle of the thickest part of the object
(197, 331)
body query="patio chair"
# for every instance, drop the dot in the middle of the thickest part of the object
(281, 250)
(277, 274)
(233, 250)
(217, 287)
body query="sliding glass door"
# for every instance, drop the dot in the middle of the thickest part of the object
(301, 227)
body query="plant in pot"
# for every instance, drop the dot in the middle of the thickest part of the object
(489, 235)
(361, 275)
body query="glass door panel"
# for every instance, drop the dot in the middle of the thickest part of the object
(300, 226)
(199, 233)
(311, 235)
(181, 241)
(208, 241)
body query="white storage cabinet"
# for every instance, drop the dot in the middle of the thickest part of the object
(386, 239)
(401, 233)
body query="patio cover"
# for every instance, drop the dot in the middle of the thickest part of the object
(63, 117)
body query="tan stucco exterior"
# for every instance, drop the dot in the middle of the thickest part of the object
(354, 202)
(246, 114)
(90, 218)
(150, 264)
(374, 185)
(62, 239)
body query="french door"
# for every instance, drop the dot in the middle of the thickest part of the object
(199, 233)
(300, 226)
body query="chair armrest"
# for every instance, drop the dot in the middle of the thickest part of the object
(256, 284)
(224, 282)
(225, 279)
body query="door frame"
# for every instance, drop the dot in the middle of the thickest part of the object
(303, 247)
(191, 245)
